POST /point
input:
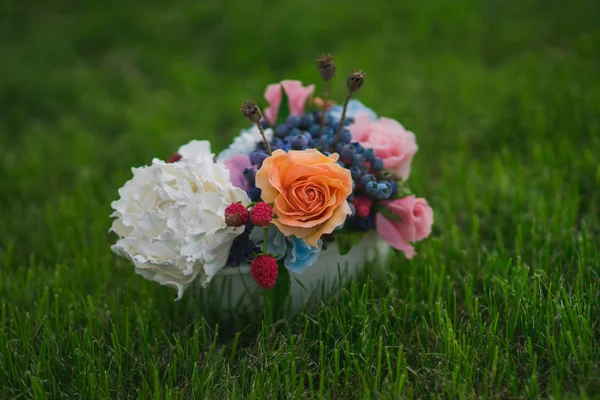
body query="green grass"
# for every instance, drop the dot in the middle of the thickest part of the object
(503, 301)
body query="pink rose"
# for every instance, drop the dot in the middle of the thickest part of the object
(296, 94)
(236, 166)
(392, 143)
(413, 223)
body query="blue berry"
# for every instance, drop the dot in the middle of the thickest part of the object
(286, 145)
(377, 164)
(384, 190)
(264, 123)
(299, 142)
(364, 170)
(345, 136)
(369, 154)
(329, 120)
(254, 193)
(348, 121)
(394, 187)
(250, 175)
(329, 140)
(292, 121)
(347, 152)
(306, 120)
(371, 188)
(315, 143)
(359, 148)
(326, 153)
(366, 178)
(355, 172)
(257, 158)
(339, 147)
(281, 130)
(351, 197)
(317, 115)
(315, 130)
(275, 143)
(365, 223)
(358, 160)
(327, 131)
(295, 132)
(334, 126)
(352, 209)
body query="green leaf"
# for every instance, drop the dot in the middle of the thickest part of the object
(284, 108)
(348, 238)
(388, 214)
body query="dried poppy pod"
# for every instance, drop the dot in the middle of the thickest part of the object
(253, 114)
(355, 80)
(326, 66)
(251, 111)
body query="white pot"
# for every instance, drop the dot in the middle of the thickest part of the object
(233, 290)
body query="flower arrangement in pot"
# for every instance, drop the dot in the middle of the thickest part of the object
(310, 188)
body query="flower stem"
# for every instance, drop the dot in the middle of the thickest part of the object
(341, 124)
(265, 238)
(262, 132)
(325, 94)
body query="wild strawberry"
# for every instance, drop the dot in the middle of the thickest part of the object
(261, 214)
(264, 271)
(236, 215)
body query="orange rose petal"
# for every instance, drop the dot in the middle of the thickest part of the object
(269, 193)
(283, 207)
(274, 173)
(305, 197)
(338, 218)
(289, 230)
(298, 171)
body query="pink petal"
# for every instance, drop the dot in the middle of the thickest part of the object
(401, 207)
(273, 96)
(388, 231)
(424, 214)
(297, 95)
(362, 117)
(236, 166)
(358, 131)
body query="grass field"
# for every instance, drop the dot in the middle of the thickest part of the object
(502, 302)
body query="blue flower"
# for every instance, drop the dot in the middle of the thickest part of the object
(354, 107)
(276, 242)
(301, 255)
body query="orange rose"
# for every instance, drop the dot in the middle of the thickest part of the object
(309, 191)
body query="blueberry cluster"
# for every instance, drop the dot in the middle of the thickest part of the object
(242, 249)
(366, 170)
(296, 133)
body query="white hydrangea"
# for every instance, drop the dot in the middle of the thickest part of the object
(245, 143)
(170, 220)
(195, 150)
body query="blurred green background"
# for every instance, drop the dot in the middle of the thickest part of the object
(504, 97)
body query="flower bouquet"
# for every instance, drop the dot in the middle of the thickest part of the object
(308, 194)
